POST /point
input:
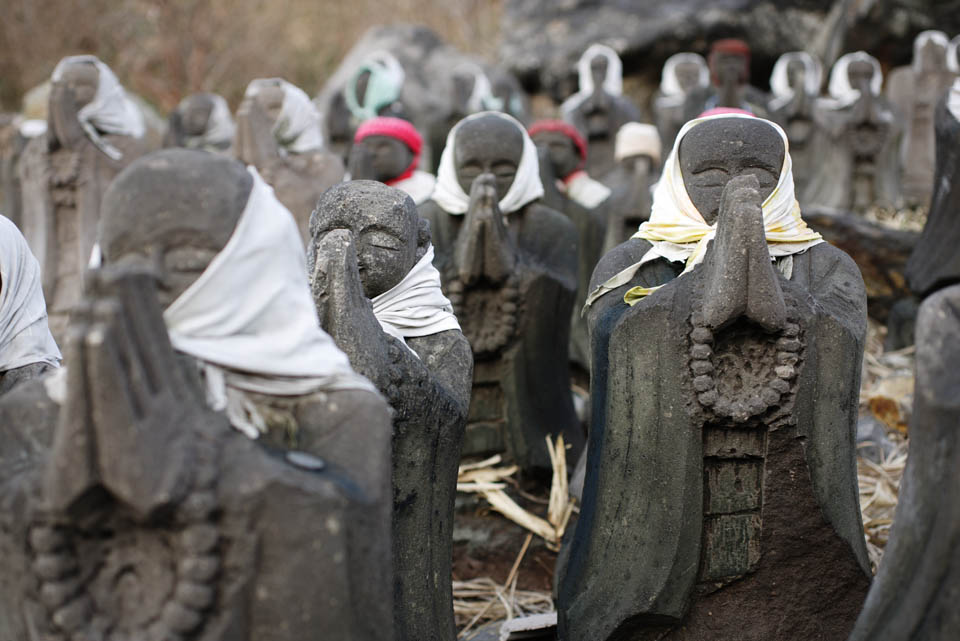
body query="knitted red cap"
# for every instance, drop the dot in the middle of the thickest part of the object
(729, 45)
(566, 129)
(393, 128)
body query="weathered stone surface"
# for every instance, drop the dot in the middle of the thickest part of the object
(721, 468)
(201, 121)
(917, 584)
(425, 378)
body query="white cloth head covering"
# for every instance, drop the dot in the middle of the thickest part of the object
(111, 111)
(481, 97)
(383, 87)
(526, 185)
(584, 190)
(839, 88)
(32, 128)
(415, 306)
(612, 82)
(780, 83)
(637, 139)
(297, 129)
(670, 84)
(251, 322)
(679, 233)
(220, 128)
(939, 37)
(953, 99)
(419, 186)
(24, 335)
(952, 63)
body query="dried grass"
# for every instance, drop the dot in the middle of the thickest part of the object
(879, 491)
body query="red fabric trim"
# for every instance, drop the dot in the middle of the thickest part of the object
(564, 128)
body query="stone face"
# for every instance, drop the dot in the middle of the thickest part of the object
(201, 121)
(917, 581)
(512, 281)
(427, 382)
(721, 468)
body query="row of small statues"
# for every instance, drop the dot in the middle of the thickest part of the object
(253, 440)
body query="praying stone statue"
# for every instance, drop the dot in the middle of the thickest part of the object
(857, 140)
(721, 499)
(378, 294)
(94, 131)
(729, 64)
(202, 121)
(795, 84)
(637, 153)
(509, 267)
(915, 91)
(388, 150)
(27, 349)
(599, 109)
(278, 132)
(583, 200)
(208, 467)
(682, 73)
(914, 594)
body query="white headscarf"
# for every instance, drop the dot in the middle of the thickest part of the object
(111, 111)
(297, 129)
(584, 190)
(612, 82)
(415, 306)
(24, 335)
(679, 233)
(780, 84)
(32, 128)
(481, 97)
(251, 322)
(526, 185)
(636, 139)
(670, 84)
(839, 88)
(938, 37)
(952, 63)
(953, 99)
(419, 186)
(220, 128)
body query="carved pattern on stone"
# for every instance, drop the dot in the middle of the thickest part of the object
(489, 315)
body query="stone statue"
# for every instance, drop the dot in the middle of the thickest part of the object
(27, 349)
(682, 73)
(15, 133)
(599, 109)
(583, 200)
(795, 84)
(915, 91)
(388, 150)
(130, 508)
(857, 140)
(729, 64)
(202, 121)
(637, 154)
(374, 89)
(278, 132)
(378, 294)
(94, 130)
(913, 594)
(721, 499)
(509, 266)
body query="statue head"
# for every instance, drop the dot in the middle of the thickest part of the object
(713, 152)
(729, 62)
(598, 71)
(463, 84)
(564, 145)
(688, 75)
(488, 144)
(171, 212)
(388, 234)
(930, 51)
(796, 75)
(82, 77)
(270, 97)
(860, 75)
(195, 112)
(393, 146)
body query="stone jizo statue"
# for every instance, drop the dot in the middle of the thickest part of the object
(795, 84)
(682, 73)
(729, 64)
(388, 150)
(378, 294)
(202, 121)
(509, 266)
(637, 154)
(204, 428)
(721, 471)
(278, 132)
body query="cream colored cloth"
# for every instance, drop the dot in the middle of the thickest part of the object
(250, 321)
(842, 94)
(415, 306)
(671, 93)
(297, 129)
(419, 186)
(612, 82)
(526, 185)
(32, 128)
(780, 83)
(110, 112)
(953, 99)
(931, 35)
(637, 139)
(678, 232)
(584, 190)
(25, 338)
(220, 128)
